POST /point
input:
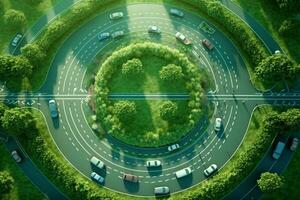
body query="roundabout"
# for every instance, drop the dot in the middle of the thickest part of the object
(202, 147)
(226, 93)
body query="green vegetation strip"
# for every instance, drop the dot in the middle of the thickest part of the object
(149, 68)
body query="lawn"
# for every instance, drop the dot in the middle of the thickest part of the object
(150, 83)
(270, 17)
(23, 189)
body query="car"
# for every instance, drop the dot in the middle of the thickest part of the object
(183, 172)
(130, 178)
(97, 177)
(179, 36)
(278, 150)
(153, 163)
(53, 108)
(103, 36)
(17, 39)
(117, 34)
(116, 15)
(176, 12)
(218, 124)
(210, 170)
(154, 29)
(207, 44)
(173, 147)
(277, 52)
(161, 190)
(16, 156)
(294, 144)
(98, 163)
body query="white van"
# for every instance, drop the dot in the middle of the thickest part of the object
(183, 172)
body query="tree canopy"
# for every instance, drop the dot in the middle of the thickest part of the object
(14, 19)
(34, 54)
(132, 67)
(269, 182)
(171, 73)
(6, 182)
(125, 111)
(168, 110)
(14, 67)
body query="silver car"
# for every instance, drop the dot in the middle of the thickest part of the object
(116, 15)
(16, 156)
(97, 177)
(183, 172)
(153, 163)
(294, 144)
(176, 12)
(117, 34)
(210, 170)
(218, 124)
(173, 147)
(98, 163)
(161, 190)
(154, 29)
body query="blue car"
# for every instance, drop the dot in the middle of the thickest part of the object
(53, 109)
(103, 36)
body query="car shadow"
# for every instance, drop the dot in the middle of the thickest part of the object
(185, 182)
(155, 171)
(132, 187)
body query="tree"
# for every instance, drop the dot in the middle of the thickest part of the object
(14, 19)
(288, 26)
(276, 68)
(34, 2)
(34, 54)
(288, 5)
(168, 110)
(132, 68)
(14, 67)
(171, 73)
(18, 121)
(6, 182)
(269, 182)
(3, 108)
(125, 111)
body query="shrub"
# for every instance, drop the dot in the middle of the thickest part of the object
(168, 110)
(171, 73)
(269, 182)
(6, 182)
(14, 19)
(276, 68)
(132, 68)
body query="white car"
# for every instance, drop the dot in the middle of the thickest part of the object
(98, 163)
(173, 147)
(116, 15)
(153, 163)
(97, 177)
(218, 124)
(176, 12)
(16, 156)
(210, 170)
(182, 38)
(277, 52)
(154, 29)
(161, 190)
(294, 145)
(117, 34)
(183, 172)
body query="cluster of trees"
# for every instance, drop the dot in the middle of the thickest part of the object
(277, 67)
(14, 68)
(6, 183)
(269, 182)
(171, 73)
(133, 68)
(224, 182)
(188, 72)
(14, 20)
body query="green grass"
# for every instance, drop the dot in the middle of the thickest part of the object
(291, 187)
(31, 12)
(270, 17)
(150, 83)
(23, 189)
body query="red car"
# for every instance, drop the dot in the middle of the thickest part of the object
(207, 44)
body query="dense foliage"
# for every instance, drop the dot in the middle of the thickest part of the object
(6, 182)
(133, 68)
(277, 67)
(269, 182)
(168, 111)
(125, 111)
(288, 5)
(34, 54)
(171, 73)
(14, 19)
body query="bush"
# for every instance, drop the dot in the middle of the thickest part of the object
(269, 182)
(132, 68)
(6, 182)
(171, 73)
(34, 54)
(168, 110)
(14, 19)
(276, 68)
(125, 111)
